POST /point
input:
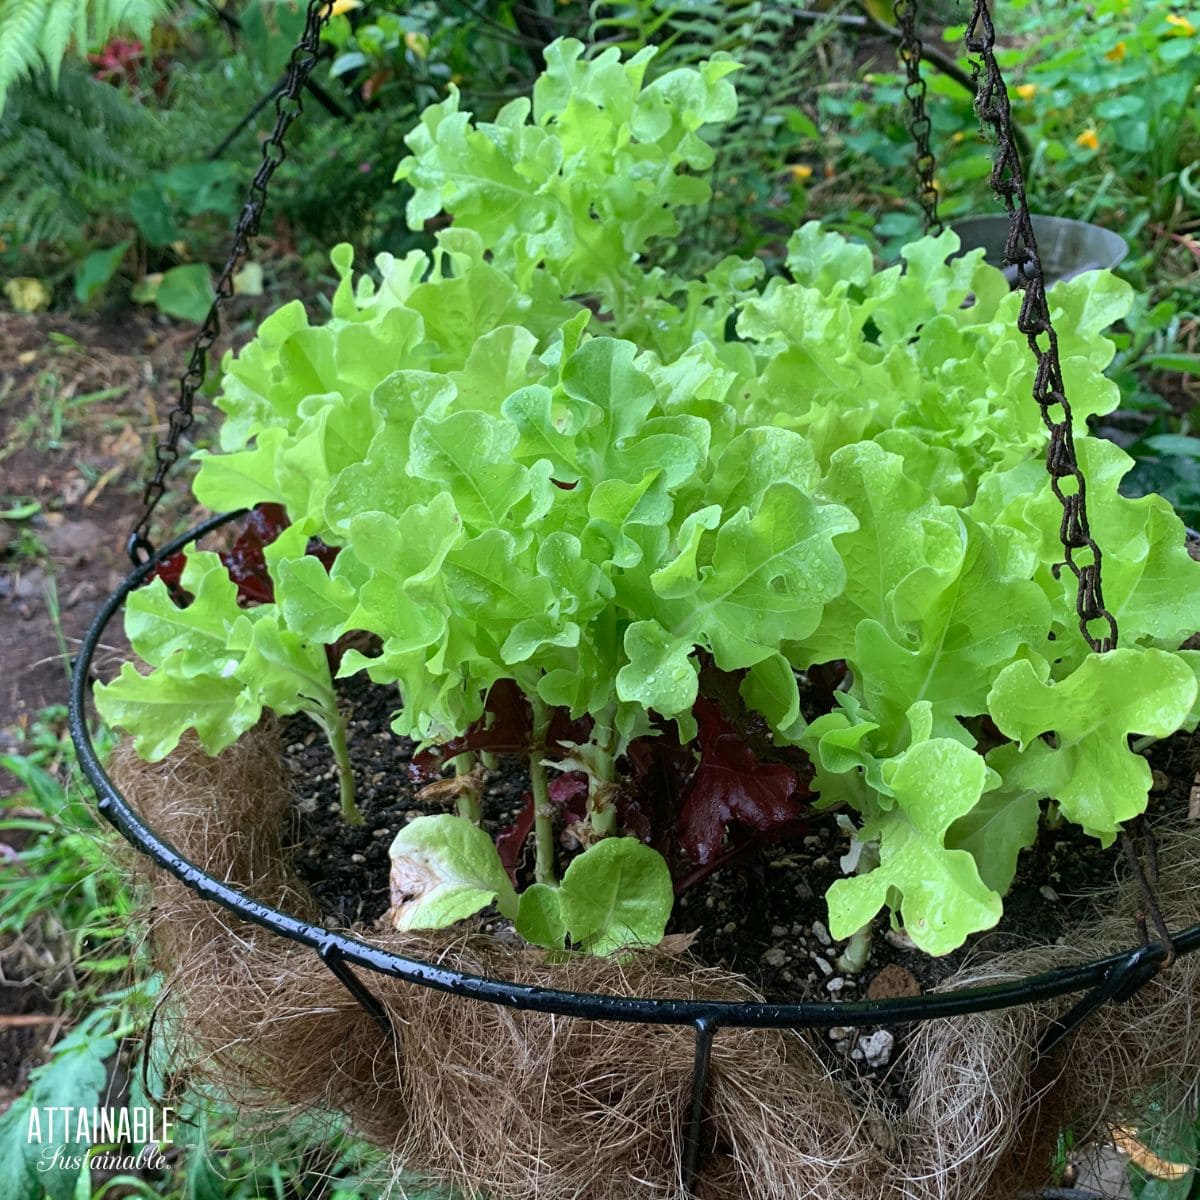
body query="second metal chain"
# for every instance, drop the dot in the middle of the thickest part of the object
(1008, 181)
(288, 106)
(1081, 551)
(919, 125)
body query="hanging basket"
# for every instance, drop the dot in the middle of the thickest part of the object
(639, 1061)
(646, 1076)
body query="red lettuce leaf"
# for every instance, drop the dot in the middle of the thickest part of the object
(170, 571)
(506, 727)
(732, 787)
(568, 792)
(245, 561)
(510, 841)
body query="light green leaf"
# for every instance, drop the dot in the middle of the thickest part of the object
(617, 893)
(1100, 781)
(660, 673)
(444, 869)
(470, 454)
(540, 917)
(241, 480)
(772, 573)
(158, 708)
(313, 603)
(279, 668)
(1006, 818)
(158, 628)
(770, 689)
(897, 529)
(942, 899)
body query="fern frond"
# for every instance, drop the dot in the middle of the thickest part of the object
(58, 27)
(36, 34)
(63, 154)
(20, 32)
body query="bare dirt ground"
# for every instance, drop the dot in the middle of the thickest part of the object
(81, 406)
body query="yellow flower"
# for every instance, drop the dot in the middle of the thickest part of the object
(1117, 53)
(1088, 140)
(800, 172)
(338, 7)
(418, 43)
(1185, 27)
(1027, 91)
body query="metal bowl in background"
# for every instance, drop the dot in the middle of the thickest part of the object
(1067, 247)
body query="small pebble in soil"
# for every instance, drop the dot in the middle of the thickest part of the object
(877, 1048)
(821, 933)
(899, 939)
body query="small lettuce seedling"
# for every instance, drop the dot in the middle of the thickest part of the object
(616, 894)
(610, 520)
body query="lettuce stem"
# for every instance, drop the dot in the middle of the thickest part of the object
(335, 731)
(543, 810)
(543, 820)
(468, 801)
(853, 960)
(602, 812)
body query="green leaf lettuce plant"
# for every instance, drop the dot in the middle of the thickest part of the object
(646, 508)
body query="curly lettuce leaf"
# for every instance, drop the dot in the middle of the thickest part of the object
(938, 892)
(1091, 713)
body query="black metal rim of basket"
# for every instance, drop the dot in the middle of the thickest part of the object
(1115, 978)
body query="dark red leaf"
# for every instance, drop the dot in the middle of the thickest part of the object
(732, 787)
(569, 793)
(170, 571)
(504, 728)
(562, 732)
(510, 841)
(655, 771)
(245, 562)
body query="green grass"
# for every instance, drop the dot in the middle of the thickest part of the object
(69, 922)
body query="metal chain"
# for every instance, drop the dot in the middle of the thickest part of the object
(919, 124)
(1008, 181)
(288, 106)
(991, 103)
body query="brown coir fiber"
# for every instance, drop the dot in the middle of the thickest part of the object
(517, 1106)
